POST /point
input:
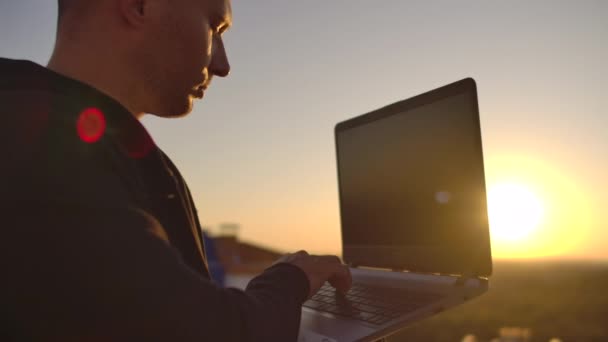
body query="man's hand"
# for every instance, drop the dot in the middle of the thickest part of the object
(320, 268)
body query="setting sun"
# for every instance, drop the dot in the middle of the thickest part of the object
(535, 209)
(514, 211)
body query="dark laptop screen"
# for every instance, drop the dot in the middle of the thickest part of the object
(414, 178)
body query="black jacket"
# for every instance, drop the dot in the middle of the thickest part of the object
(100, 240)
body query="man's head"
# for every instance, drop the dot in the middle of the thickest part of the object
(166, 51)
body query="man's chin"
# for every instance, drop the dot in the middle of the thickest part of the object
(176, 110)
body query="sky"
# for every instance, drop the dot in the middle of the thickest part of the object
(259, 149)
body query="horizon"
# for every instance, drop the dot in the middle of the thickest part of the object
(548, 259)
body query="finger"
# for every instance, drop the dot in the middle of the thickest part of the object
(331, 259)
(338, 274)
(341, 278)
(301, 253)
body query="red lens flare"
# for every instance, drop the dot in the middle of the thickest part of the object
(91, 125)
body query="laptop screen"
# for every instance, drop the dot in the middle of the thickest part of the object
(412, 185)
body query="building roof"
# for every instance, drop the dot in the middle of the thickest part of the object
(239, 257)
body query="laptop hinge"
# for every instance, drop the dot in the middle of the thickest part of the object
(462, 279)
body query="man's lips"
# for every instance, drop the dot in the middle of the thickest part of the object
(199, 91)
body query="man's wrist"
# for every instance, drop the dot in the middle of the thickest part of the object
(296, 276)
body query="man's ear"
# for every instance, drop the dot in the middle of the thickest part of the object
(133, 11)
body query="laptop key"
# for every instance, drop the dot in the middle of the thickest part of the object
(392, 314)
(366, 308)
(378, 320)
(312, 304)
(365, 315)
(354, 298)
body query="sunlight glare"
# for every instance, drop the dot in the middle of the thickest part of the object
(535, 209)
(514, 211)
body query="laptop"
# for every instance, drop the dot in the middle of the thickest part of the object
(413, 211)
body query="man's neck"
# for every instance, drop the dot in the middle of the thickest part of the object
(93, 66)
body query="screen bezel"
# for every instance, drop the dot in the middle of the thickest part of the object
(436, 259)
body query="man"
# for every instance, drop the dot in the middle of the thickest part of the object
(100, 237)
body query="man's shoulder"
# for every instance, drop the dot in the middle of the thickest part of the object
(53, 145)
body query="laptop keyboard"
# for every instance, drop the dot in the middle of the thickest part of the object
(369, 304)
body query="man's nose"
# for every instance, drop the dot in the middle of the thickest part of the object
(219, 65)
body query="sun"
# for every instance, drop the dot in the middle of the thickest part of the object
(535, 208)
(514, 211)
